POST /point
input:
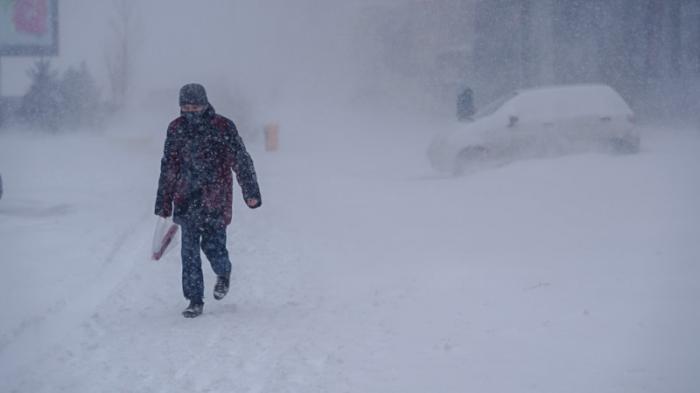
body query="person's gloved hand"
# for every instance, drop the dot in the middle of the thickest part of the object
(253, 202)
(164, 212)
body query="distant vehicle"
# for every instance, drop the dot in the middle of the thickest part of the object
(539, 122)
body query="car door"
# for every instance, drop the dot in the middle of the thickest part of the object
(523, 128)
(594, 115)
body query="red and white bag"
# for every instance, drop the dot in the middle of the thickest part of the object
(165, 237)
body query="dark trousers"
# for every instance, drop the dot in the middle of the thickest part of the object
(211, 240)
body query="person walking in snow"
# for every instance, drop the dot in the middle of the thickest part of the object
(196, 186)
(465, 105)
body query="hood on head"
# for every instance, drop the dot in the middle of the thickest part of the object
(193, 94)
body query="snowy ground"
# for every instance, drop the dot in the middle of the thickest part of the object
(362, 272)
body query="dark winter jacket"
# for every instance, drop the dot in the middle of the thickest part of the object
(195, 171)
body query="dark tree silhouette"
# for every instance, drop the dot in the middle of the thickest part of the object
(81, 97)
(42, 105)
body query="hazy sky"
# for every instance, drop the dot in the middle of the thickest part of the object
(269, 48)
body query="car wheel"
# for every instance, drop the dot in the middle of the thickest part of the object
(625, 145)
(468, 157)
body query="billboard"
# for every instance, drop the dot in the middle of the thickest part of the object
(28, 27)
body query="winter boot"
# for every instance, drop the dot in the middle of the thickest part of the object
(221, 287)
(194, 309)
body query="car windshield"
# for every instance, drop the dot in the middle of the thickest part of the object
(494, 106)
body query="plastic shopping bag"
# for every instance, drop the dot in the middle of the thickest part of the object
(165, 237)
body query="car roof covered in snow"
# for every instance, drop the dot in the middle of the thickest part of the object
(565, 101)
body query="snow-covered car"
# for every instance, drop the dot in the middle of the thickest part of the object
(540, 122)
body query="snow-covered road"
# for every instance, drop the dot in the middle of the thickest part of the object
(362, 272)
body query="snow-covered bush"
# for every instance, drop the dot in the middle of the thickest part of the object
(41, 106)
(54, 103)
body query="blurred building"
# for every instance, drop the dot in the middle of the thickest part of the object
(646, 49)
(419, 46)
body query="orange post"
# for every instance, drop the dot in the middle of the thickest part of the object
(271, 137)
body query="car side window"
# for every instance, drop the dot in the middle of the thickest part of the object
(494, 106)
